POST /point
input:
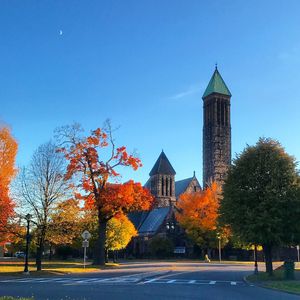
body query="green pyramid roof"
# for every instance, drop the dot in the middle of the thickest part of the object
(216, 85)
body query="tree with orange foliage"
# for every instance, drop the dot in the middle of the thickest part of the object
(197, 213)
(8, 151)
(88, 156)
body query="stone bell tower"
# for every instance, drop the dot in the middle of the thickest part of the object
(216, 130)
(162, 182)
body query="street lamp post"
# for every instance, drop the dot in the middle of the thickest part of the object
(255, 260)
(220, 253)
(27, 217)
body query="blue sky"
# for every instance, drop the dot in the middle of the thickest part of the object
(145, 65)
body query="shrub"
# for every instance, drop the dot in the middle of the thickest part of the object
(161, 247)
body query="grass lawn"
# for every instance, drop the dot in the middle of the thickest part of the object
(288, 286)
(49, 268)
(277, 281)
(263, 276)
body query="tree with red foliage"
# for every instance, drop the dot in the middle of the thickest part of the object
(87, 157)
(8, 151)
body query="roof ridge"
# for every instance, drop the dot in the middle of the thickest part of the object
(160, 159)
(184, 179)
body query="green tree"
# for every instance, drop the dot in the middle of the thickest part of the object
(261, 199)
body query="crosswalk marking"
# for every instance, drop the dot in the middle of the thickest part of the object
(150, 280)
(171, 281)
(121, 280)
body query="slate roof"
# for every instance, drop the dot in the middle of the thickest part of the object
(154, 220)
(162, 166)
(137, 218)
(181, 186)
(216, 85)
(148, 222)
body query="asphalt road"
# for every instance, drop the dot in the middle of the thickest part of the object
(141, 281)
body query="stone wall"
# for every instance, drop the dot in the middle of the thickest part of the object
(194, 186)
(163, 188)
(216, 138)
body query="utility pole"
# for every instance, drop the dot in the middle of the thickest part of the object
(220, 250)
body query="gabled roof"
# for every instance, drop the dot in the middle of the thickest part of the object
(154, 220)
(216, 85)
(181, 186)
(137, 218)
(162, 166)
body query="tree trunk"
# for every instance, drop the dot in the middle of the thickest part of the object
(268, 258)
(106, 255)
(99, 258)
(40, 248)
(38, 260)
(50, 252)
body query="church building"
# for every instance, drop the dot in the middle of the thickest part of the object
(160, 221)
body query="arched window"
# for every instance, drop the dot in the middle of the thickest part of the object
(222, 112)
(162, 186)
(219, 111)
(152, 185)
(171, 187)
(226, 113)
(167, 187)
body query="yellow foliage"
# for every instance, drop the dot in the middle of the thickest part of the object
(65, 224)
(119, 232)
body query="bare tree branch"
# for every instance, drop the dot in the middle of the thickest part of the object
(41, 186)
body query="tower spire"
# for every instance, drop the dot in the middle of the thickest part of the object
(216, 85)
(162, 182)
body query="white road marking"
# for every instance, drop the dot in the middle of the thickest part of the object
(171, 281)
(165, 279)
(150, 280)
